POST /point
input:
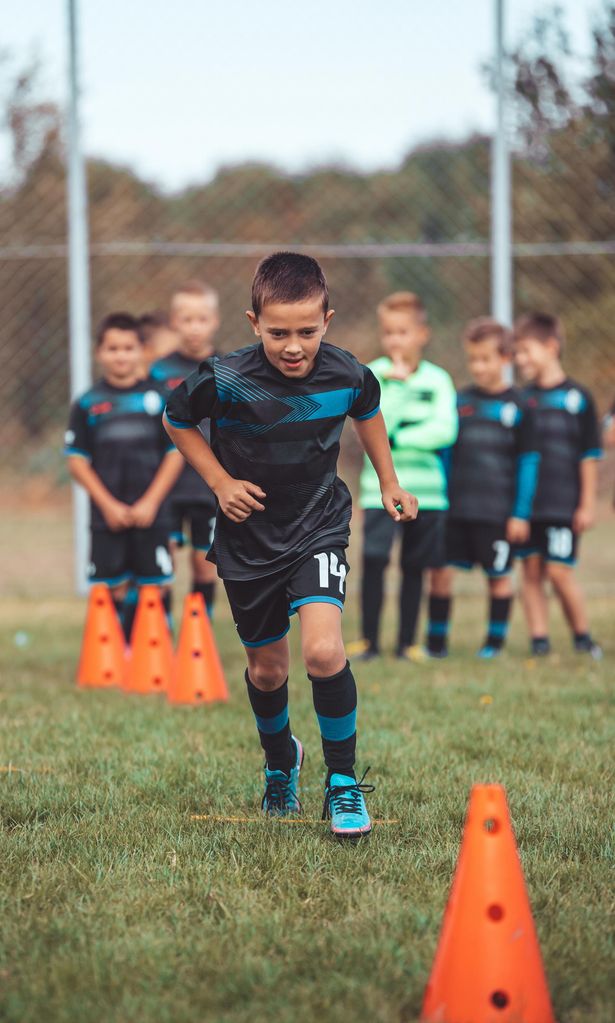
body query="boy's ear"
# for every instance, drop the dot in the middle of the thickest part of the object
(253, 318)
(328, 317)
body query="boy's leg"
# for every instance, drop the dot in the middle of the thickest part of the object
(267, 682)
(573, 604)
(423, 547)
(494, 553)
(204, 573)
(110, 564)
(535, 603)
(440, 590)
(500, 602)
(151, 562)
(378, 533)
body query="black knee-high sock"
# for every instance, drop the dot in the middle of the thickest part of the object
(271, 713)
(372, 585)
(167, 603)
(335, 703)
(126, 610)
(499, 613)
(409, 605)
(208, 591)
(437, 626)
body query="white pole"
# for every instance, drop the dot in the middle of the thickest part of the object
(78, 286)
(501, 256)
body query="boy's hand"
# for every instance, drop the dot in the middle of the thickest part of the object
(144, 512)
(117, 515)
(238, 498)
(399, 369)
(394, 499)
(517, 530)
(583, 518)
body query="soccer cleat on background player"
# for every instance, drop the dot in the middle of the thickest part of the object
(414, 653)
(587, 645)
(345, 806)
(281, 798)
(362, 650)
(540, 647)
(487, 653)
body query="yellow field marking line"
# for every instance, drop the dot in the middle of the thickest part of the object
(220, 819)
(11, 769)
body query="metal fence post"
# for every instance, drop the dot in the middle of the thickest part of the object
(501, 256)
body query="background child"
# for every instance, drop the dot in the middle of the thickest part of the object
(568, 441)
(277, 410)
(492, 479)
(159, 339)
(194, 318)
(118, 450)
(418, 405)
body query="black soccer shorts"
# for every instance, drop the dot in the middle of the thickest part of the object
(422, 540)
(141, 555)
(262, 607)
(479, 543)
(553, 541)
(201, 519)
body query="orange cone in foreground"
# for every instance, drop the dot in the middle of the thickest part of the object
(488, 967)
(102, 659)
(150, 659)
(197, 672)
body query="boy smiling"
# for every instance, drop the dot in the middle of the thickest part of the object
(277, 410)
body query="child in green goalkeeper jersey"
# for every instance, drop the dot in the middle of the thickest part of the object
(419, 407)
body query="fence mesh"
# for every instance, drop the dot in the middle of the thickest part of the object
(422, 226)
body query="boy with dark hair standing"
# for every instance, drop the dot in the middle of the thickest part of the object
(418, 405)
(493, 472)
(119, 452)
(194, 318)
(568, 441)
(277, 409)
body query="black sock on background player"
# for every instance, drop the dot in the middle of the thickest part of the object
(372, 590)
(208, 591)
(499, 615)
(409, 607)
(437, 626)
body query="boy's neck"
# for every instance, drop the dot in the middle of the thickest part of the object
(125, 383)
(495, 388)
(196, 356)
(551, 375)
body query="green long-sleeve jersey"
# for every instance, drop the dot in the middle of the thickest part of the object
(420, 414)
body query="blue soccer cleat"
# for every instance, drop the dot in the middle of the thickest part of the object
(281, 797)
(345, 806)
(487, 653)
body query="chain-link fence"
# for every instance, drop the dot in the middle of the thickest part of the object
(423, 226)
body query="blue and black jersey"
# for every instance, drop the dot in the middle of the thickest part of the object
(494, 463)
(171, 372)
(283, 435)
(120, 431)
(567, 431)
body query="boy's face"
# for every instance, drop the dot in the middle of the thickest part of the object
(291, 333)
(403, 335)
(120, 357)
(486, 363)
(195, 320)
(533, 357)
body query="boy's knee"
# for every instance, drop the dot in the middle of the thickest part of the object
(440, 582)
(267, 674)
(533, 570)
(558, 573)
(324, 656)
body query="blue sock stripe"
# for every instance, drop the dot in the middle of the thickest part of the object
(498, 628)
(270, 726)
(338, 729)
(437, 629)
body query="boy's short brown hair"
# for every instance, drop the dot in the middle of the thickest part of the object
(540, 327)
(195, 287)
(288, 277)
(484, 328)
(117, 321)
(403, 302)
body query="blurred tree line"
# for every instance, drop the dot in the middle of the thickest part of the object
(564, 189)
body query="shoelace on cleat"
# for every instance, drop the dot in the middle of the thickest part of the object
(279, 796)
(346, 798)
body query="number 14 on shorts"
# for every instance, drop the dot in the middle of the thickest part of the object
(329, 565)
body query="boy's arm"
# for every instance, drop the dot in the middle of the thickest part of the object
(437, 430)
(116, 514)
(237, 498)
(528, 464)
(373, 436)
(586, 512)
(144, 510)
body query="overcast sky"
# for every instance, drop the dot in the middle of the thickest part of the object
(176, 89)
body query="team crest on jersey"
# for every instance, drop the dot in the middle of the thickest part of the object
(152, 403)
(69, 437)
(573, 401)
(508, 413)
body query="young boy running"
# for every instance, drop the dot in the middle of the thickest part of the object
(418, 405)
(119, 452)
(568, 440)
(494, 467)
(194, 318)
(277, 409)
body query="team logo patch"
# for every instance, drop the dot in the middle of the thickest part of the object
(69, 437)
(573, 401)
(508, 413)
(152, 403)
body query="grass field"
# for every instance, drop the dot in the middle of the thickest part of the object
(117, 906)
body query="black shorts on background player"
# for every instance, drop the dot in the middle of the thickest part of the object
(200, 519)
(478, 543)
(140, 555)
(553, 541)
(422, 541)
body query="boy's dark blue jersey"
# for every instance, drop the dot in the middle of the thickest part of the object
(284, 435)
(494, 463)
(171, 372)
(567, 431)
(120, 431)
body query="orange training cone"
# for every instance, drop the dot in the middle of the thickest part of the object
(488, 967)
(197, 673)
(102, 658)
(150, 658)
